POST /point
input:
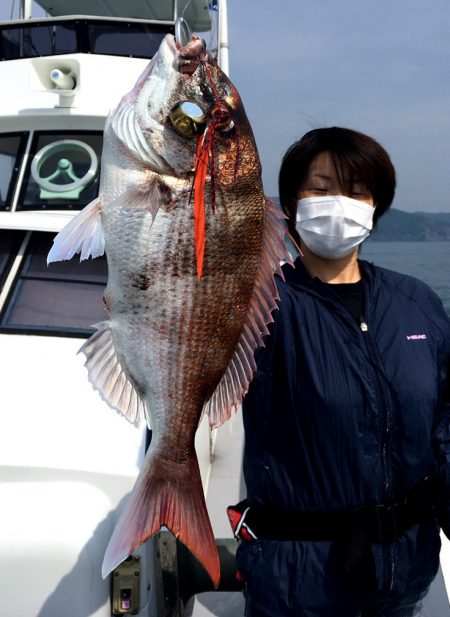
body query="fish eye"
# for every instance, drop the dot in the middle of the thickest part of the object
(226, 127)
(223, 121)
(188, 119)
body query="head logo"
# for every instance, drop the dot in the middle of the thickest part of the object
(416, 337)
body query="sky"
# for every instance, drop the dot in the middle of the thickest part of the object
(376, 66)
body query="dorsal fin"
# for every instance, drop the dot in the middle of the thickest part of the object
(235, 381)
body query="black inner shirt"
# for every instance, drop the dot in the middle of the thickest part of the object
(351, 295)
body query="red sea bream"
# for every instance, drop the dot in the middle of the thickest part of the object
(192, 247)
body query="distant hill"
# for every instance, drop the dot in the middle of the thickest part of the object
(441, 216)
(399, 226)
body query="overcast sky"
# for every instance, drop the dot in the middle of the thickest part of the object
(378, 66)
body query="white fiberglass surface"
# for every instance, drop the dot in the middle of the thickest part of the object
(66, 463)
(31, 101)
(53, 544)
(51, 415)
(445, 563)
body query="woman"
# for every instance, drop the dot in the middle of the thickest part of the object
(347, 453)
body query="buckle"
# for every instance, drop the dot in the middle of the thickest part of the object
(386, 523)
(241, 530)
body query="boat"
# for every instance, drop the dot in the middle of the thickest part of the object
(67, 462)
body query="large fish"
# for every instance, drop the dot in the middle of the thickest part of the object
(192, 247)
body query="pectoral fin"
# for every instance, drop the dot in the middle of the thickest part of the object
(84, 234)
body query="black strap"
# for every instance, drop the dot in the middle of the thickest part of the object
(354, 531)
(382, 523)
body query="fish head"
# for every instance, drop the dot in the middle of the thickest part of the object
(183, 97)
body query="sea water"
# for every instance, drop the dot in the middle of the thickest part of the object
(427, 261)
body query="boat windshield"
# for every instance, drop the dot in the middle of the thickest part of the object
(61, 170)
(12, 148)
(64, 298)
(83, 35)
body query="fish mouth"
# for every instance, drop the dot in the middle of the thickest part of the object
(195, 47)
(188, 57)
(170, 40)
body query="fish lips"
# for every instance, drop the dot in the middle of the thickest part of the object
(188, 58)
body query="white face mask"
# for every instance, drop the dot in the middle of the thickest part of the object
(334, 225)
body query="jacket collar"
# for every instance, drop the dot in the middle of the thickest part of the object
(300, 277)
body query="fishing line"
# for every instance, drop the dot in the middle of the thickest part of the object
(197, 162)
(221, 114)
(211, 11)
(185, 7)
(213, 30)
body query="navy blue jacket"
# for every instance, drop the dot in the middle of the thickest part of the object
(337, 417)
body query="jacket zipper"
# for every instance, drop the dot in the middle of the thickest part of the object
(382, 396)
(386, 439)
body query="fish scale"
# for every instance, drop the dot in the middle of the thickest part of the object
(180, 339)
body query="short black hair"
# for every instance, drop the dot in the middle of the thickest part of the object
(356, 157)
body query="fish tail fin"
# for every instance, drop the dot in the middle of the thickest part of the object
(170, 494)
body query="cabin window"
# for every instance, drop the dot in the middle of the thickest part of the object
(88, 36)
(128, 39)
(63, 171)
(12, 148)
(38, 39)
(10, 242)
(64, 298)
